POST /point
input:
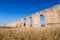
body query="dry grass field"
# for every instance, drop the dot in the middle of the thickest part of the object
(30, 33)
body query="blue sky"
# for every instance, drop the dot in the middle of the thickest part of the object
(11, 10)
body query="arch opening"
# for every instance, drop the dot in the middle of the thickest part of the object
(24, 22)
(42, 19)
(30, 21)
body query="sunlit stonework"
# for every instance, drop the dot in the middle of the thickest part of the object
(52, 17)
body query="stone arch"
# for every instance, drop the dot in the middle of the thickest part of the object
(31, 21)
(42, 19)
(24, 22)
(44, 14)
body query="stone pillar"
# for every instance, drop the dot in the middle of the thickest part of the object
(22, 22)
(19, 23)
(36, 20)
(57, 13)
(50, 16)
(28, 21)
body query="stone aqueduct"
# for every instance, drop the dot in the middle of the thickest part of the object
(52, 16)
